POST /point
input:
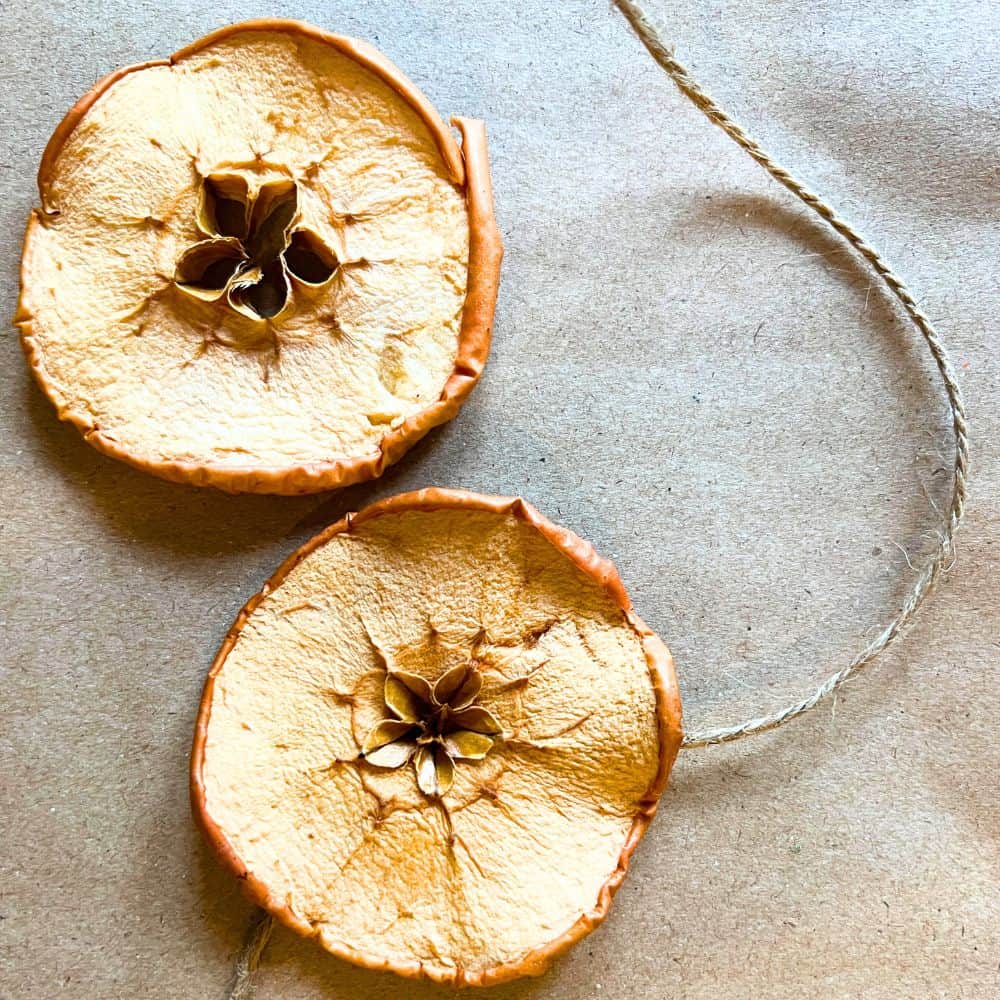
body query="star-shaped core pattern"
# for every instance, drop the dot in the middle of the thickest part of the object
(432, 725)
(254, 248)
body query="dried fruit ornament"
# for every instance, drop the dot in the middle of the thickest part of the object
(263, 264)
(434, 739)
(436, 736)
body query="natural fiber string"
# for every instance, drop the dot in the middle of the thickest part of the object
(260, 929)
(930, 572)
(258, 934)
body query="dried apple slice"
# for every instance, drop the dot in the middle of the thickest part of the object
(264, 264)
(434, 739)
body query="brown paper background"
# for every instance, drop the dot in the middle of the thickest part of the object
(688, 372)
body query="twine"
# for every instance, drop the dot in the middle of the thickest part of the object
(930, 572)
(260, 928)
(258, 934)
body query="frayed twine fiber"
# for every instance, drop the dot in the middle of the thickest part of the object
(258, 934)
